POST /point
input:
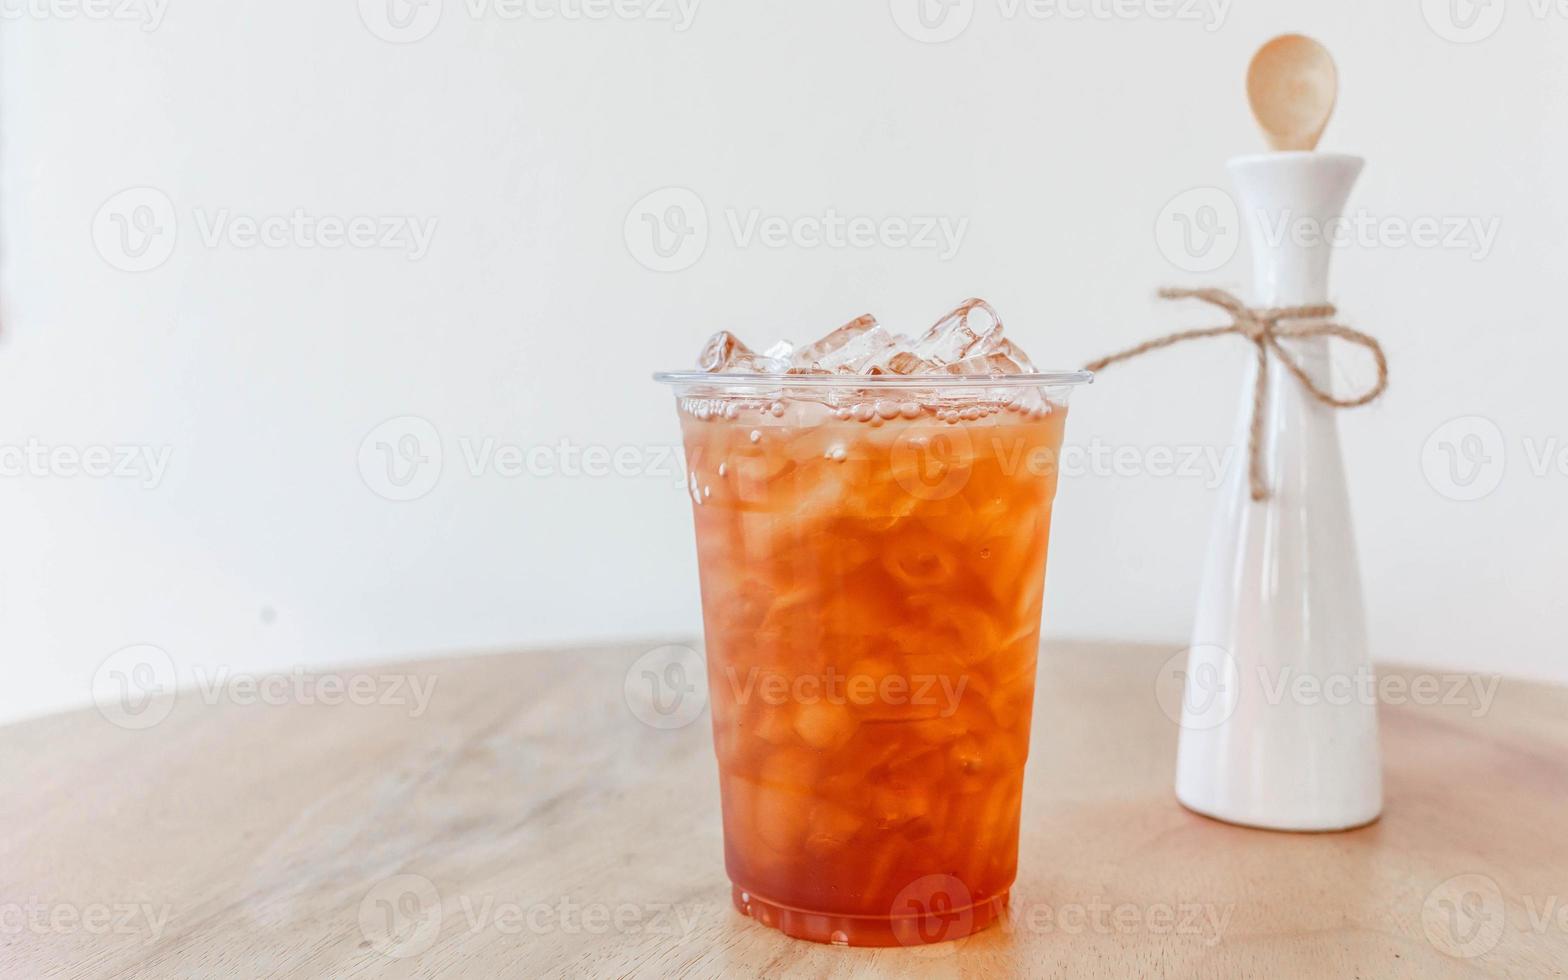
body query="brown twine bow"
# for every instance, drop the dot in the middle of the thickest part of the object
(1265, 328)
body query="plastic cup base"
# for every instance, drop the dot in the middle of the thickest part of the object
(935, 926)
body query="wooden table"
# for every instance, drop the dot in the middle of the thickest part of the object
(524, 823)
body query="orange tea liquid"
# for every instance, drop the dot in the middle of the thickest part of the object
(871, 588)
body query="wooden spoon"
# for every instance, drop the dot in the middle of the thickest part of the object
(1292, 84)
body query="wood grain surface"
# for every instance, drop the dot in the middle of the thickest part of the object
(519, 820)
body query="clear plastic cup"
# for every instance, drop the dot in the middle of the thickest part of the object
(872, 558)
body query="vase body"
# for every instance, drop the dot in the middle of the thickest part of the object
(1279, 715)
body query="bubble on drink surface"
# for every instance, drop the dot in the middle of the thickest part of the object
(967, 341)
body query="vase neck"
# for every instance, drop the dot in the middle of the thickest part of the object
(1289, 204)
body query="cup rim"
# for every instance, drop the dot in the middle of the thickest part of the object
(1039, 379)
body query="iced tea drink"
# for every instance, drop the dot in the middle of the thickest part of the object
(872, 553)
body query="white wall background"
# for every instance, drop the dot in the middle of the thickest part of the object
(529, 321)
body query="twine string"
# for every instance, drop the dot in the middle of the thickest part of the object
(1264, 329)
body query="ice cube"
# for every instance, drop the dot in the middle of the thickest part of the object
(963, 629)
(780, 816)
(941, 729)
(908, 362)
(962, 331)
(721, 351)
(857, 356)
(823, 725)
(986, 364)
(919, 561)
(1015, 354)
(830, 827)
(966, 757)
(724, 352)
(967, 341)
(897, 804)
(761, 364)
(898, 357)
(772, 725)
(790, 768)
(807, 358)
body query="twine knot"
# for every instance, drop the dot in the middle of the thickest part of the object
(1253, 326)
(1264, 328)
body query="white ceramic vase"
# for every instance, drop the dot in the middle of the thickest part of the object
(1279, 719)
